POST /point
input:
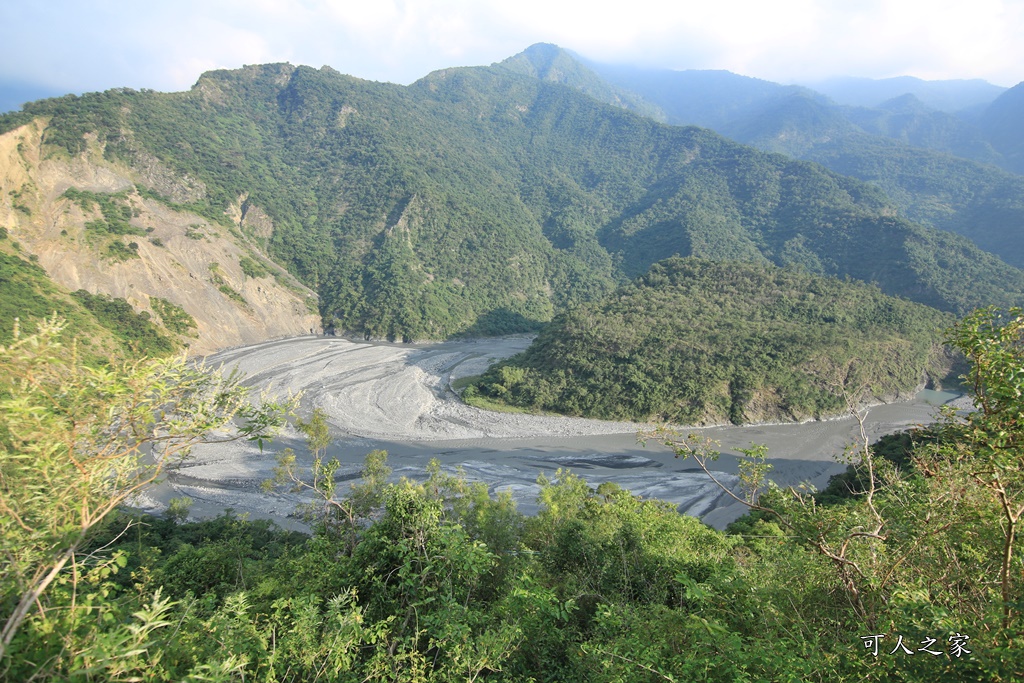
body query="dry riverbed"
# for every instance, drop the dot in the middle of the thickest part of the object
(399, 398)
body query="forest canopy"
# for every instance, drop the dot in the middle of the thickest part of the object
(696, 342)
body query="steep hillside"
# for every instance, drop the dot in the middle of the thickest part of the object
(902, 146)
(908, 120)
(699, 342)
(85, 223)
(552, 64)
(981, 202)
(105, 328)
(476, 200)
(792, 124)
(951, 193)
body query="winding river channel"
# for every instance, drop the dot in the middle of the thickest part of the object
(399, 398)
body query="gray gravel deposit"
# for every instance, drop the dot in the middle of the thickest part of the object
(399, 398)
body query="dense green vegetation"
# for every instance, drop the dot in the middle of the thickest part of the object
(102, 323)
(76, 441)
(253, 268)
(174, 317)
(439, 581)
(117, 251)
(698, 341)
(484, 200)
(935, 167)
(137, 334)
(971, 199)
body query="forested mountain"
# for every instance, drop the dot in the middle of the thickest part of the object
(697, 342)
(481, 200)
(908, 120)
(552, 64)
(936, 167)
(980, 202)
(939, 189)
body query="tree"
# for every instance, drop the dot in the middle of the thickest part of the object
(330, 514)
(855, 538)
(986, 447)
(76, 442)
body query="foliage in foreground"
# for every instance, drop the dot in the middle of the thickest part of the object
(77, 441)
(439, 581)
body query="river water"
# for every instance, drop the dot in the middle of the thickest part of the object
(399, 398)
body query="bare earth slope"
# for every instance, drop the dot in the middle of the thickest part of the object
(196, 267)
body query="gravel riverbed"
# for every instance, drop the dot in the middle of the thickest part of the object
(398, 398)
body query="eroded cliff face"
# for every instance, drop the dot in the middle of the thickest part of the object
(181, 257)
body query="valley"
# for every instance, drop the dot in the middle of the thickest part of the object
(398, 398)
(305, 376)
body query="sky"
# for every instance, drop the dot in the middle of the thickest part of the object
(87, 45)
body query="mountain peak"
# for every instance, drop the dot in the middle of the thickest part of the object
(553, 64)
(547, 62)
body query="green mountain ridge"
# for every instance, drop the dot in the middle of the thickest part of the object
(481, 201)
(937, 167)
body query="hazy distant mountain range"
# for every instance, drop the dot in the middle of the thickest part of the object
(953, 116)
(949, 96)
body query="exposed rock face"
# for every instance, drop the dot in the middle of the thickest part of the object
(255, 221)
(153, 174)
(183, 258)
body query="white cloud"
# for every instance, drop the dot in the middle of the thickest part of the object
(166, 45)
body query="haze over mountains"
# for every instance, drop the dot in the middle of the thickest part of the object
(950, 96)
(485, 200)
(900, 143)
(720, 99)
